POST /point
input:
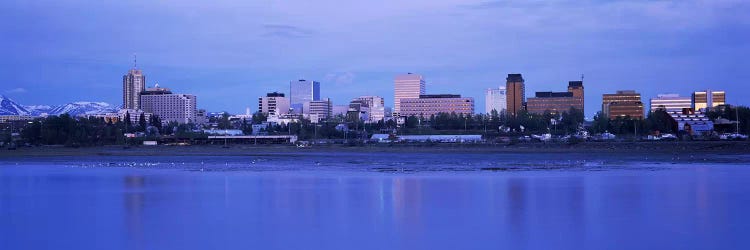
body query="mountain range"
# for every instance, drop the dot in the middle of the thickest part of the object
(10, 107)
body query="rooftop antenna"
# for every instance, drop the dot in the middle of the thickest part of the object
(135, 61)
(582, 77)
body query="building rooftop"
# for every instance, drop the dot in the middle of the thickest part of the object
(575, 84)
(275, 94)
(440, 96)
(514, 78)
(553, 94)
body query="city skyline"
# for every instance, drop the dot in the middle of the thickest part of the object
(234, 56)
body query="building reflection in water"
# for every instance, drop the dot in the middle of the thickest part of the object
(134, 203)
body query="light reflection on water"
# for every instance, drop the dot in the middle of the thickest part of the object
(46, 206)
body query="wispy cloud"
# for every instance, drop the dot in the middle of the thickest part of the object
(16, 91)
(340, 78)
(285, 31)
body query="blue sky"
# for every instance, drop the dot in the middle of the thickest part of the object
(231, 52)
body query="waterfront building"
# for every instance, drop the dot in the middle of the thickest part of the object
(133, 83)
(557, 102)
(515, 94)
(670, 102)
(406, 86)
(692, 122)
(274, 103)
(428, 105)
(495, 99)
(318, 110)
(180, 108)
(624, 103)
(708, 99)
(302, 91)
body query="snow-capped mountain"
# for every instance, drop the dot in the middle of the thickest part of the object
(9, 107)
(83, 108)
(37, 110)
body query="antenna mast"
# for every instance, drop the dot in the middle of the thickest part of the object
(135, 61)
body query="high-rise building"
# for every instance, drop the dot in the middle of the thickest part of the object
(319, 110)
(133, 83)
(708, 99)
(302, 91)
(369, 109)
(515, 91)
(557, 102)
(495, 100)
(624, 103)
(406, 86)
(273, 104)
(576, 87)
(180, 108)
(428, 105)
(670, 102)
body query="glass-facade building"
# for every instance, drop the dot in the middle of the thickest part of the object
(302, 91)
(624, 103)
(495, 100)
(708, 99)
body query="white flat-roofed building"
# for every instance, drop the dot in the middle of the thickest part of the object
(180, 108)
(273, 104)
(495, 99)
(670, 102)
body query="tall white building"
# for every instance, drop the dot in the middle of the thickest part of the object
(671, 102)
(169, 107)
(407, 86)
(495, 99)
(273, 104)
(133, 83)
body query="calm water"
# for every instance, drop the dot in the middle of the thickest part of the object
(375, 201)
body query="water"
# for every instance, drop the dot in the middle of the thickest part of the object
(375, 201)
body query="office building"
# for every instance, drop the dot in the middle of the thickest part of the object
(273, 104)
(369, 109)
(428, 105)
(180, 108)
(318, 110)
(495, 100)
(670, 102)
(302, 91)
(407, 86)
(708, 99)
(515, 94)
(133, 83)
(624, 103)
(557, 102)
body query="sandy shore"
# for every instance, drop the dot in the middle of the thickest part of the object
(612, 148)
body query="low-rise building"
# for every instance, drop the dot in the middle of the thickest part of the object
(670, 102)
(428, 105)
(708, 99)
(624, 103)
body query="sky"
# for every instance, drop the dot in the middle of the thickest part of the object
(229, 53)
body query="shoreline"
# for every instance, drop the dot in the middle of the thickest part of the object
(605, 148)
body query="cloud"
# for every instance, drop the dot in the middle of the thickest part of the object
(16, 91)
(340, 78)
(285, 31)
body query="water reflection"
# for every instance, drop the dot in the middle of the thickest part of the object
(134, 204)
